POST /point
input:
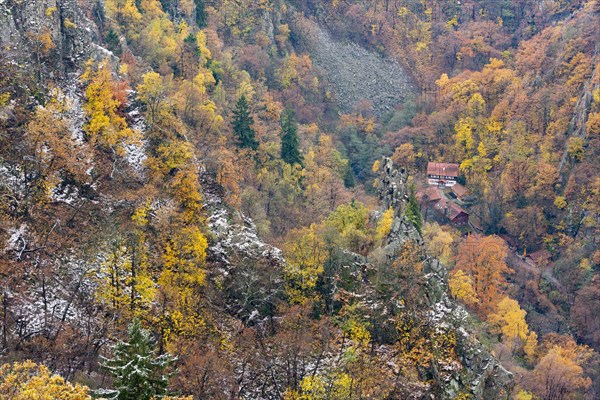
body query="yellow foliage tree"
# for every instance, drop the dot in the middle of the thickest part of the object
(105, 128)
(306, 253)
(351, 222)
(404, 155)
(153, 92)
(509, 321)
(483, 259)
(440, 242)
(559, 372)
(461, 287)
(125, 284)
(29, 381)
(464, 139)
(180, 284)
(205, 54)
(375, 166)
(186, 189)
(385, 224)
(523, 395)
(531, 347)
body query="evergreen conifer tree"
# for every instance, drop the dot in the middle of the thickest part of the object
(201, 14)
(139, 372)
(412, 210)
(242, 124)
(290, 144)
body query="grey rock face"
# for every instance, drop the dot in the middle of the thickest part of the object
(24, 24)
(391, 187)
(234, 232)
(482, 374)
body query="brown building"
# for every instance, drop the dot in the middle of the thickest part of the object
(442, 174)
(429, 195)
(452, 212)
(459, 191)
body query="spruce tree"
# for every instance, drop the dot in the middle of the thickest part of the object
(290, 144)
(242, 124)
(201, 14)
(412, 211)
(139, 372)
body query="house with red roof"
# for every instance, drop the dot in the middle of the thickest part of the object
(442, 174)
(429, 195)
(459, 191)
(452, 212)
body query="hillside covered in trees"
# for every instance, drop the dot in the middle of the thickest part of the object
(231, 199)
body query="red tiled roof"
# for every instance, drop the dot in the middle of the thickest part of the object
(442, 169)
(431, 193)
(459, 189)
(454, 210)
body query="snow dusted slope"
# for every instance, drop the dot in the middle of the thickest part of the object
(245, 267)
(233, 232)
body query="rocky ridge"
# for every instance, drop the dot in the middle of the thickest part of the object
(485, 377)
(54, 37)
(236, 244)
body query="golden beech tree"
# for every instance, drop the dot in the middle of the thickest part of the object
(404, 156)
(53, 147)
(558, 375)
(482, 258)
(306, 253)
(441, 242)
(384, 226)
(509, 321)
(351, 221)
(106, 127)
(516, 178)
(153, 91)
(186, 189)
(125, 11)
(171, 155)
(29, 381)
(461, 287)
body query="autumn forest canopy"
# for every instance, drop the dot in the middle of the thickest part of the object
(299, 199)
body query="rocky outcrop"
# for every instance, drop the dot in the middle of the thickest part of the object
(57, 36)
(482, 374)
(232, 232)
(244, 262)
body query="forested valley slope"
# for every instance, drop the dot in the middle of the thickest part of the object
(299, 199)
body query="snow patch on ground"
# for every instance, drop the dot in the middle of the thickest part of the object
(16, 235)
(11, 178)
(135, 153)
(232, 236)
(75, 116)
(65, 194)
(43, 309)
(103, 52)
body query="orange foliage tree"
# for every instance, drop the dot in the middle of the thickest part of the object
(483, 259)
